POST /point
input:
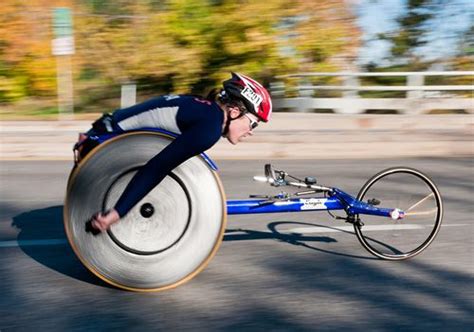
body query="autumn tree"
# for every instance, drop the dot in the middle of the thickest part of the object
(26, 64)
(193, 44)
(176, 45)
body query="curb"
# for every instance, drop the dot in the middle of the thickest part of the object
(286, 136)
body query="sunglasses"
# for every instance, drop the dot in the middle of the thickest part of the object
(253, 123)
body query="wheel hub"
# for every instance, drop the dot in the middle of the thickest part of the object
(147, 210)
(156, 223)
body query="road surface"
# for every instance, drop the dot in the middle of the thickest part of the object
(262, 278)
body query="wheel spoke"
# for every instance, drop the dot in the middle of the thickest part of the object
(422, 213)
(419, 202)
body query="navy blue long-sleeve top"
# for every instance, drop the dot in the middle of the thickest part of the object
(197, 121)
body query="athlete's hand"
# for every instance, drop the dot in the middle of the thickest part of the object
(102, 222)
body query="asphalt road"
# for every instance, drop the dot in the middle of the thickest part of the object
(261, 279)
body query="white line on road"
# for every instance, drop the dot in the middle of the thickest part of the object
(319, 229)
(27, 243)
(33, 200)
(300, 230)
(351, 228)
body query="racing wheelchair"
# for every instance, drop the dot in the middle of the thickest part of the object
(173, 232)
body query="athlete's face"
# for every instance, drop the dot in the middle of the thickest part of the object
(241, 127)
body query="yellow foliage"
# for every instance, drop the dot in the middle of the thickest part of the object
(178, 42)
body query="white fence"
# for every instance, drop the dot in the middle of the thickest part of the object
(419, 98)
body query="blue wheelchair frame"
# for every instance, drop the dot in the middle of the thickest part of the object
(336, 199)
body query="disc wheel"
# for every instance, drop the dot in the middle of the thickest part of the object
(165, 239)
(410, 191)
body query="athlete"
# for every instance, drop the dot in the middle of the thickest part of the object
(232, 112)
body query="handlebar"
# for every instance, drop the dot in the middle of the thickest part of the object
(277, 178)
(309, 186)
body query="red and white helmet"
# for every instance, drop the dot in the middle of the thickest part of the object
(255, 97)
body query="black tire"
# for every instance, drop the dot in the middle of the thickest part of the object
(414, 193)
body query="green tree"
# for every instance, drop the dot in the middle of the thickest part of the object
(466, 42)
(464, 60)
(192, 44)
(411, 33)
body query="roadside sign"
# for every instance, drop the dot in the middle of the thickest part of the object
(62, 22)
(63, 46)
(63, 43)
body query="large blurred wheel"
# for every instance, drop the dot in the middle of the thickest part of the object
(167, 238)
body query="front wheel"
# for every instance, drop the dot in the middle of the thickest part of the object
(410, 191)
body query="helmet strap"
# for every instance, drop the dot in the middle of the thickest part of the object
(229, 120)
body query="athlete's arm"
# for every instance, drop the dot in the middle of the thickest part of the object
(195, 140)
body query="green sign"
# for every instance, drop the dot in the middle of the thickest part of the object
(62, 22)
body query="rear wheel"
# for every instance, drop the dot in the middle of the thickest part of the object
(416, 195)
(167, 238)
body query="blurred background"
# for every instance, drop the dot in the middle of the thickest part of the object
(92, 54)
(358, 86)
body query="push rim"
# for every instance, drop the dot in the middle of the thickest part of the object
(147, 212)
